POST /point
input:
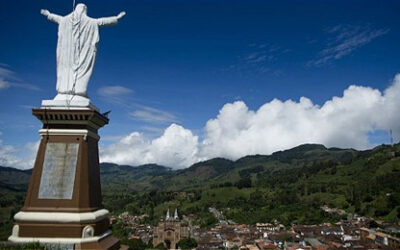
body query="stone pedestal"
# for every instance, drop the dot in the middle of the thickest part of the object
(66, 101)
(64, 202)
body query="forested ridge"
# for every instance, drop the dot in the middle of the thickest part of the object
(289, 186)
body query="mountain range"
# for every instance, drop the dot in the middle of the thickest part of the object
(288, 185)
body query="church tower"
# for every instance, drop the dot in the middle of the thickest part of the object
(170, 231)
(176, 217)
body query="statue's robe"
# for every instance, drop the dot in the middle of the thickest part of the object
(78, 36)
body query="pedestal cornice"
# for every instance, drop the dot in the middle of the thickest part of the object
(70, 118)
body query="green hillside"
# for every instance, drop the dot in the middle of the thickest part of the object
(288, 185)
(13, 186)
(120, 177)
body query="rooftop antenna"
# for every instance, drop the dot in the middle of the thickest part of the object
(391, 137)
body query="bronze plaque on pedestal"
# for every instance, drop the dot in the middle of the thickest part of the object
(59, 167)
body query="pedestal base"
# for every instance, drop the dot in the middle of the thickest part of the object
(105, 241)
(65, 101)
(63, 203)
(71, 227)
(49, 240)
(108, 242)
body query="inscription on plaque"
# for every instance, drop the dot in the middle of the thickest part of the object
(58, 175)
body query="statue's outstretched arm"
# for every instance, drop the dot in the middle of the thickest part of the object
(105, 21)
(52, 17)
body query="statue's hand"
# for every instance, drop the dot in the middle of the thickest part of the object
(121, 15)
(44, 12)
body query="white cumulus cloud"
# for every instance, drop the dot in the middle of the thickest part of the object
(176, 147)
(237, 131)
(18, 157)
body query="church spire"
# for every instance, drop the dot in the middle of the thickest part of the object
(176, 217)
(167, 217)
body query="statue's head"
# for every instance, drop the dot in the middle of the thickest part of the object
(81, 8)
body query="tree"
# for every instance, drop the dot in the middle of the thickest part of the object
(373, 224)
(187, 243)
(160, 246)
(119, 230)
(136, 244)
(381, 205)
(244, 183)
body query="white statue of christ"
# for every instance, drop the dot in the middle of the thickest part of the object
(78, 36)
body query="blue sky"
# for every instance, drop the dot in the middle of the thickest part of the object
(182, 61)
